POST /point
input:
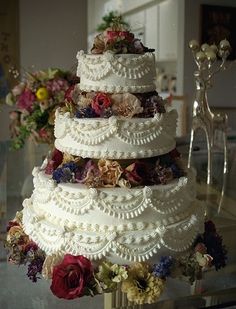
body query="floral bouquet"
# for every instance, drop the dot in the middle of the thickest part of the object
(36, 99)
(118, 39)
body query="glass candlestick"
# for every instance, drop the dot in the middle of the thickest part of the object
(202, 117)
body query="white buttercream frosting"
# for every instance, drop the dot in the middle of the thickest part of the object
(116, 73)
(120, 224)
(116, 223)
(116, 138)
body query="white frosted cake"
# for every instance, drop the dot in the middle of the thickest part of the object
(114, 194)
(121, 224)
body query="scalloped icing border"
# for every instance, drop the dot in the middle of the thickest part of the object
(97, 131)
(133, 66)
(66, 242)
(93, 69)
(164, 200)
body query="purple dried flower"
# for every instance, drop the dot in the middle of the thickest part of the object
(163, 269)
(215, 247)
(90, 175)
(34, 268)
(152, 103)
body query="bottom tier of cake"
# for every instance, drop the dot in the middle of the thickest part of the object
(121, 225)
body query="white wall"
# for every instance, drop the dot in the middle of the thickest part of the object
(51, 33)
(95, 14)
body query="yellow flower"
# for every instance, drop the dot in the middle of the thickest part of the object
(109, 275)
(42, 94)
(141, 286)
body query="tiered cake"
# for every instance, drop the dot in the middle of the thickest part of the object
(114, 189)
(118, 223)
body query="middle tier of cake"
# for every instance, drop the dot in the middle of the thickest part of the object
(114, 137)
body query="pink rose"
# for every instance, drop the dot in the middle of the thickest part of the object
(71, 276)
(112, 35)
(25, 101)
(100, 102)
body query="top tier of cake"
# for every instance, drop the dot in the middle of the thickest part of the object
(116, 73)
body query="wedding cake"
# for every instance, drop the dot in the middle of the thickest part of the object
(122, 223)
(114, 198)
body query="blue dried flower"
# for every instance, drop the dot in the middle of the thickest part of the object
(62, 175)
(72, 166)
(177, 172)
(86, 112)
(163, 269)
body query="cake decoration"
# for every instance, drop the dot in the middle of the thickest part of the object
(113, 205)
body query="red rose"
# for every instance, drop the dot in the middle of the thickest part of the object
(54, 162)
(70, 278)
(100, 102)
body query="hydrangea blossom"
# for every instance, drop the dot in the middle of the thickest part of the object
(163, 269)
